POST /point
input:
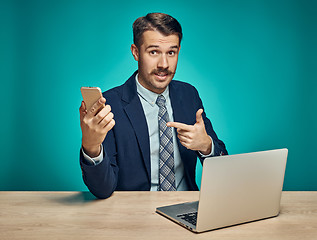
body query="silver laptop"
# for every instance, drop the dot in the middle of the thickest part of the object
(235, 189)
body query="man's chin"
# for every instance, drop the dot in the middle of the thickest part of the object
(159, 88)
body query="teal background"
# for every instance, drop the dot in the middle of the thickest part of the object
(253, 63)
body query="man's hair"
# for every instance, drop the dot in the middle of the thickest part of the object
(164, 23)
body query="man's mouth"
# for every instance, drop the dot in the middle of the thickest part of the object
(162, 75)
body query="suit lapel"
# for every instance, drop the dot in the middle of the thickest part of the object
(133, 109)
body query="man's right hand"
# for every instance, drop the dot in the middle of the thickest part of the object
(95, 123)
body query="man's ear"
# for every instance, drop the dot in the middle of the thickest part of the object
(135, 52)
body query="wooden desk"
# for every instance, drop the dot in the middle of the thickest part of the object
(131, 215)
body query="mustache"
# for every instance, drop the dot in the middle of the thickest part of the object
(162, 71)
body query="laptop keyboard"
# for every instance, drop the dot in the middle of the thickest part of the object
(189, 217)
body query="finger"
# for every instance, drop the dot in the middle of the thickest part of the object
(96, 107)
(184, 132)
(185, 144)
(199, 117)
(82, 106)
(178, 125)
(182, 138)
(82, 110)
(102, 114)
(103, 123)
(110, 125)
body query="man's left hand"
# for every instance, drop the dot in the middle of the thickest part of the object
(193, 137)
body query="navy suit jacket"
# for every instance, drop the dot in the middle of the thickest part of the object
(126, 164)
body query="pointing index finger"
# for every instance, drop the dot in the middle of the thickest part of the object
(178, 125)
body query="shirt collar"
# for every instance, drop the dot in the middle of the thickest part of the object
(148, 95)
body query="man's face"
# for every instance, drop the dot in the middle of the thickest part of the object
(157, 60)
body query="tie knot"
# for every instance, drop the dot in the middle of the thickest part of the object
(160, 101)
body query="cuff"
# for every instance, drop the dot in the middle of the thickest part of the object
(95, 160)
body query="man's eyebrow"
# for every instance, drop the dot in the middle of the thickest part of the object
(152, 46)
(157, 46)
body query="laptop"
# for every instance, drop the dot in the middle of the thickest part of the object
(235, 189)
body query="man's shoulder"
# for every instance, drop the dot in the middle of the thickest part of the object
(115, 90)
(118, 91)
(181, 84)
(182, 87)
(113, 94)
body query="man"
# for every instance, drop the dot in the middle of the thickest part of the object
(129, 140)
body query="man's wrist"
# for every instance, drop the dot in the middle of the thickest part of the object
(92, 151)
(208, 146)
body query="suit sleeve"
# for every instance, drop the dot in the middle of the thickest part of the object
(101, 179)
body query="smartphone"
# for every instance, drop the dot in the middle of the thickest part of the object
(90, 95)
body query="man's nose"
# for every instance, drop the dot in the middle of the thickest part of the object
(163, 62)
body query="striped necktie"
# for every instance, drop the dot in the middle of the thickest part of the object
(166, 170)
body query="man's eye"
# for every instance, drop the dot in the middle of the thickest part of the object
(153, 52)
(171, 53)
